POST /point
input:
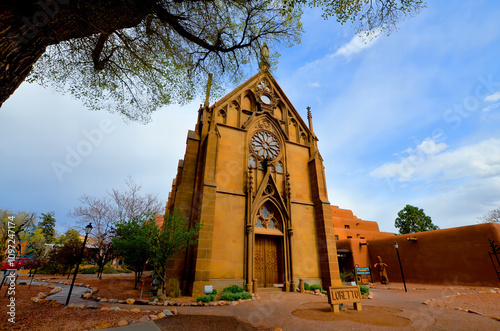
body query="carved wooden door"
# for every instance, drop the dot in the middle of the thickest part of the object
(267, 261)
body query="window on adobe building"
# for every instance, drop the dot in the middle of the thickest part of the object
(347, 226)
(361, 237)
(336, 237)
(349, 237)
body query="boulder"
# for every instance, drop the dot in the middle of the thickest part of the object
(104, 326)
(122, 323)
(130, 301)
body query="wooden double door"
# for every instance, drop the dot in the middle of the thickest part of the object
(268, 260)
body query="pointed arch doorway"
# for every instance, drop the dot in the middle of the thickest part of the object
(269, 257)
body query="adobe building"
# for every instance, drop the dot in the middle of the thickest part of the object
(455, 256)
(253, 174)
(351, 235)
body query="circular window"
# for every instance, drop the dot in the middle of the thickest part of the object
(265, 99)
(265, 145)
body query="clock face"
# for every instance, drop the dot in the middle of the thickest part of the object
(265, 99)
(265, 145)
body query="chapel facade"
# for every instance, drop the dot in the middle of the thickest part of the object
(253, 174)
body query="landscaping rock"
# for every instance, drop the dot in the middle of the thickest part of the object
(370, 295)
(144, 318)
(222, 303)
(113, 301)
(135, 310)
(234, 303)
(114, 309)
(153, 317)
(121, 301)
(105, 308)
(152, 303)
(42, 295)
(86, 295)
(71, 305)
(213, 303)
(178, 303)
(161, 297)
(174, 311)
(104, 326)
(167, 312)
(130, 301)
(103, 300)
(159, 303)
(122, 323)
(160, 315)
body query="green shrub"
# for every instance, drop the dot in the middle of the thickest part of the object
(230, 296)
(172, 288)
(324, 292)
(208, 297)
(314, 287)
(306, 287)
(88, 270)
(233, 289)
(364, 289)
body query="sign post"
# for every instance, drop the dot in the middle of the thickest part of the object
(344, 294)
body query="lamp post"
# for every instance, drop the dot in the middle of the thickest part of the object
(88, 228)
(400, 267)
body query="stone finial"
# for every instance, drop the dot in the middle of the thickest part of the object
(309, 117)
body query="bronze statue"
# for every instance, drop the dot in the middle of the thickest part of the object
(382, 271)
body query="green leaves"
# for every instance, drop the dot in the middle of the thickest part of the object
(412, 219)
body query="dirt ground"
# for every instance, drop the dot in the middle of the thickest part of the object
(390, 308)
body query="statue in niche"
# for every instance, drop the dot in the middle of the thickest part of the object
(382, 271)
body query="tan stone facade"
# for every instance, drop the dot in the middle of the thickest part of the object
(252, 173)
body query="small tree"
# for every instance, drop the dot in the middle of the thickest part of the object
(66, 256)
(48, 225)
(412, 219)
(133, 243)
(493, 216)
(174, 236)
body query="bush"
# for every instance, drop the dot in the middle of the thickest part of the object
(230, 296)
(314, 287)
(364, 289)
(208, 297)
(172, 288)
(88, 270)
(233, 289)
(306, 286)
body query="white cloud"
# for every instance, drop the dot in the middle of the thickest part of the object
(493, 97)
(481, 160)
(429, 146)
(358, 43)
(491, 107)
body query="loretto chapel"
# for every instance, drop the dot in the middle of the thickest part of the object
(253, 174)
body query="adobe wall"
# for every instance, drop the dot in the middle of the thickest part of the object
(457, 256)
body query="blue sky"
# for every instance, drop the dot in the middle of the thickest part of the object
(409, 118)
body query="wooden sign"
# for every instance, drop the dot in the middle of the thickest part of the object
(344, 294)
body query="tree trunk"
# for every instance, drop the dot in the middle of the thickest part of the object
(27, 27)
